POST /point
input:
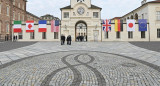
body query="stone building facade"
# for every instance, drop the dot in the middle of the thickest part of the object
(11, 10)
(151, 12)
(81, 18)
(49, 18)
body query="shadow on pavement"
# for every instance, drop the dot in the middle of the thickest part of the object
(154, 46)
(5, 46)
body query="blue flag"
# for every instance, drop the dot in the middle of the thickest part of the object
(142, 24)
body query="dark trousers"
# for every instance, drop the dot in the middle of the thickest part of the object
(68, 42)
(62, 42)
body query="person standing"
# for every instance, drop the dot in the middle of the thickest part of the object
(70, 39)
(16, 37)
(62, 39)
(67, 40)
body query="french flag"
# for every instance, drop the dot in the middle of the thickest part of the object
(42, 26)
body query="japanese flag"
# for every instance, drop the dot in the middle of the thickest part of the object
(130, 25)
(29, 26)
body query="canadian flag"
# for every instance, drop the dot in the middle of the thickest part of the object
(29, 26)
(131, 25)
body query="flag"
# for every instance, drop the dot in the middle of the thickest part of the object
(131, 25)
(17, 27)
(42, 26)
(121, 25)
(55, 26)
(117, 25)
(142, 24)
(106, 25)
(29, 26)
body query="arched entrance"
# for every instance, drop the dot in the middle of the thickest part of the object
(81, 31)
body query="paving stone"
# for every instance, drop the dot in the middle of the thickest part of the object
(79, 68)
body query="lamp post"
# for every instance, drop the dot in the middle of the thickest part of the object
(101, 29)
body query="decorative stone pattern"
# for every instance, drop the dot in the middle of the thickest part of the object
(78, 68)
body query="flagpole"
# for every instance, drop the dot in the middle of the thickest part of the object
(149, 32)
(12, 32)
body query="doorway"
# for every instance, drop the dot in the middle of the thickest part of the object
(81, 32)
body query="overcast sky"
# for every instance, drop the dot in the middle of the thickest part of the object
(110, 8)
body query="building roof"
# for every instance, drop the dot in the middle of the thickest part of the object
(157, 1)
(92, 7)
(48, 15)
(32, 15)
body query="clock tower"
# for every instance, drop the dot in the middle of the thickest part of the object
(75, 2)
(81, 20)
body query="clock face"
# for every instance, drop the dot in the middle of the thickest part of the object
(80, 10)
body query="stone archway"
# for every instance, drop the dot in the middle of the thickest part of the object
(81, 31)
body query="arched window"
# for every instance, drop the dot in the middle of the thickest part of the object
(127, 17)
(136, 16)
(131, 16)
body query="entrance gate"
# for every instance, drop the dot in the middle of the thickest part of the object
(81, 31)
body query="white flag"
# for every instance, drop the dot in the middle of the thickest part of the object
(29, 26)
(131, 25)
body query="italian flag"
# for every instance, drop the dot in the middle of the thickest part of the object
(17, 27)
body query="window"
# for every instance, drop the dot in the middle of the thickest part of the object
(13, 15)
(158, 15)
(55, 35)
(19, 5)
(143, 34)
(66, 14)
(20, 35)
(142, 16)
(106, 35)
(158, 33)
(19, 16)
(0, 27)
(43, 35)
(23, 7)
(0, 8)
(13, 2)
(23, 17)
(118, 35)
(7, 28)
(7, 10)
(32, 35)
(130, 34)
(95, 14)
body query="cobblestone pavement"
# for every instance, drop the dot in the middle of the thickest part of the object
(79, 68)
(5, 46)
(155, 46)
(119, 48)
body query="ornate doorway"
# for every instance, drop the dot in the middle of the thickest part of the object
(81, 31)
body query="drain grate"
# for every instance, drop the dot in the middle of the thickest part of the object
(129, 65)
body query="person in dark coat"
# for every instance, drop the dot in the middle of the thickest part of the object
(69, 39)
(62, 39)
(5, 38)
(14, 38)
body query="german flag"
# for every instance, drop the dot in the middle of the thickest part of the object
(117, 25)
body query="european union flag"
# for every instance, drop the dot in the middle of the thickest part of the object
(142, 24)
